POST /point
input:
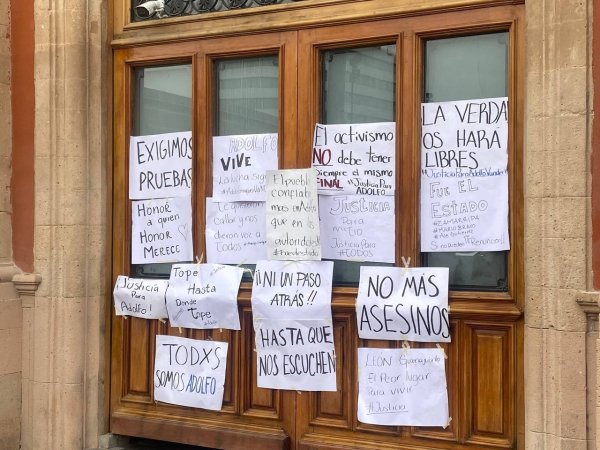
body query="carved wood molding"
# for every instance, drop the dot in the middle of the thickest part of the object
(282, 17)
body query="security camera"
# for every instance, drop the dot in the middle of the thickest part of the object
(150, 8)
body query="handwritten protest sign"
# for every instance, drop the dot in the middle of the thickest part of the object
(355, 158)
(160, 165)
(292, 290)
(358, 227)
(464, 179)
(402, 387)
(239, 166)
(291, 307)
(295, 354)
(140, 297)
(408, 304)
(292, 215)
(190, 372)
(204, 296)
(161, 230)
(235, 232)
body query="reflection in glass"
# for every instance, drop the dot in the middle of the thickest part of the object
(359, 86)
(464, 68)
(247, 99)
(162, 104)
(247, 96)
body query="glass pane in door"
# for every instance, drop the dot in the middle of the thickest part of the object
(464, 68)
(162, 104)
(247, 98)
(358, 86)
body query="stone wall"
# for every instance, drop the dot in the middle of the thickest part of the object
(10, 366)
(63, 376)
(10, 305)
(557, 221)
(5, 135)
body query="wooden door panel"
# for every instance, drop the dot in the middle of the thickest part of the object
(258, 402)
(491, 386)
(139, 356)
(335, 409)
(231, 393)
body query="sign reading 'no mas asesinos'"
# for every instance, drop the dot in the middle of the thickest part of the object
(408, 304)
(464, 177)
(160, 165)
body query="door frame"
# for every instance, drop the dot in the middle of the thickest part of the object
(298, 48)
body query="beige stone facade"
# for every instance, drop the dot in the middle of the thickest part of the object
(10, 305)
(557, 222)
(53, 393)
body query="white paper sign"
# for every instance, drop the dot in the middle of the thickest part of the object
(464, 179)
(358, 227)
(355, 158)
(295, 354)
(139, 297)
(292, 290)
(160, 165)
(402, 387)
(292, 215)
(239, 166)
(204, 296)
(190, 372)
(407, 304)
(235, 232)
(161, 230)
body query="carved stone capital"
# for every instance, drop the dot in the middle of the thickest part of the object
(26, 285)
(589, 302)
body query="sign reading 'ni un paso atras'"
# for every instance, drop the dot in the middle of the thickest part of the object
(291, 306)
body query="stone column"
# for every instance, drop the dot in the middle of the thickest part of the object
(10, 359)
(557, 221)
(66, 320)
(10, 307)
(591, 308)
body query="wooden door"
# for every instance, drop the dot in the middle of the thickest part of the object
(484, 365)
(251, 417)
